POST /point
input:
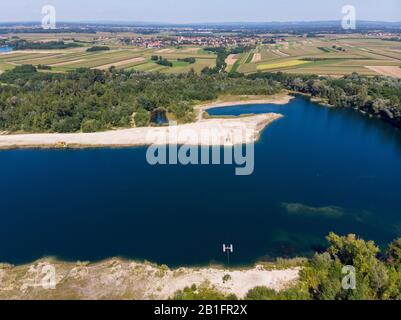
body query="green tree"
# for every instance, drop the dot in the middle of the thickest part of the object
(91, 125)
(394, 253)
(142, 118)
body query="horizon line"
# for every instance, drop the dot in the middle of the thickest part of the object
(200, 23)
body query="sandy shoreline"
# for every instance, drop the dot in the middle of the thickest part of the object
(275, 99)
(120, 279)
(205, 132)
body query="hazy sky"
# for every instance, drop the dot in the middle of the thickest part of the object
(182, 11)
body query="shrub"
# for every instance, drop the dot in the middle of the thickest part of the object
(264, 293)
(97, 48)
(204, 292)
(43, 67)
(91, 125)
(142, 118)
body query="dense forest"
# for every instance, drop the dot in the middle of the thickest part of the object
(377, 275)
(377, 96)
(93, 100)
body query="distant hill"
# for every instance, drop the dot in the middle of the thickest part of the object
(330, 26)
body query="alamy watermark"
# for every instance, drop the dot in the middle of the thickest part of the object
(348, 21)
(349, 279)
(49, 19)
(42, 276)
(230, 143)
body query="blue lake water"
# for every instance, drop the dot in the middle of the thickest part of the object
(5, 49)
(316, 170)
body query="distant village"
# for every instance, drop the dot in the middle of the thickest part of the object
(203, 41)
(225, 41)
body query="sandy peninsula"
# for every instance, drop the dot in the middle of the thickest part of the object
(245, 100)
(121, 279)
(206, 132)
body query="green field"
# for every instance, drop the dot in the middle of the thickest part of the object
(121, 57)
(281, 64)
(324, 56)
(328, 55)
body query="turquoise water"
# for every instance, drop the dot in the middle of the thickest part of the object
(316, 170)
(5, 49)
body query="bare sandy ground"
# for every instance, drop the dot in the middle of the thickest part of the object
(120, 63)
(241, 281)
(231, 60)
(256, 57)
(391, 71)
(120, 279)
(205, 132)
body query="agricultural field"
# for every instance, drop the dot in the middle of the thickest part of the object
(281, 64)
(120, 56)
(136, 58)
(334, 56)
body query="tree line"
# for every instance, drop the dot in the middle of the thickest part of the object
(98, 48)
(50, 45)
